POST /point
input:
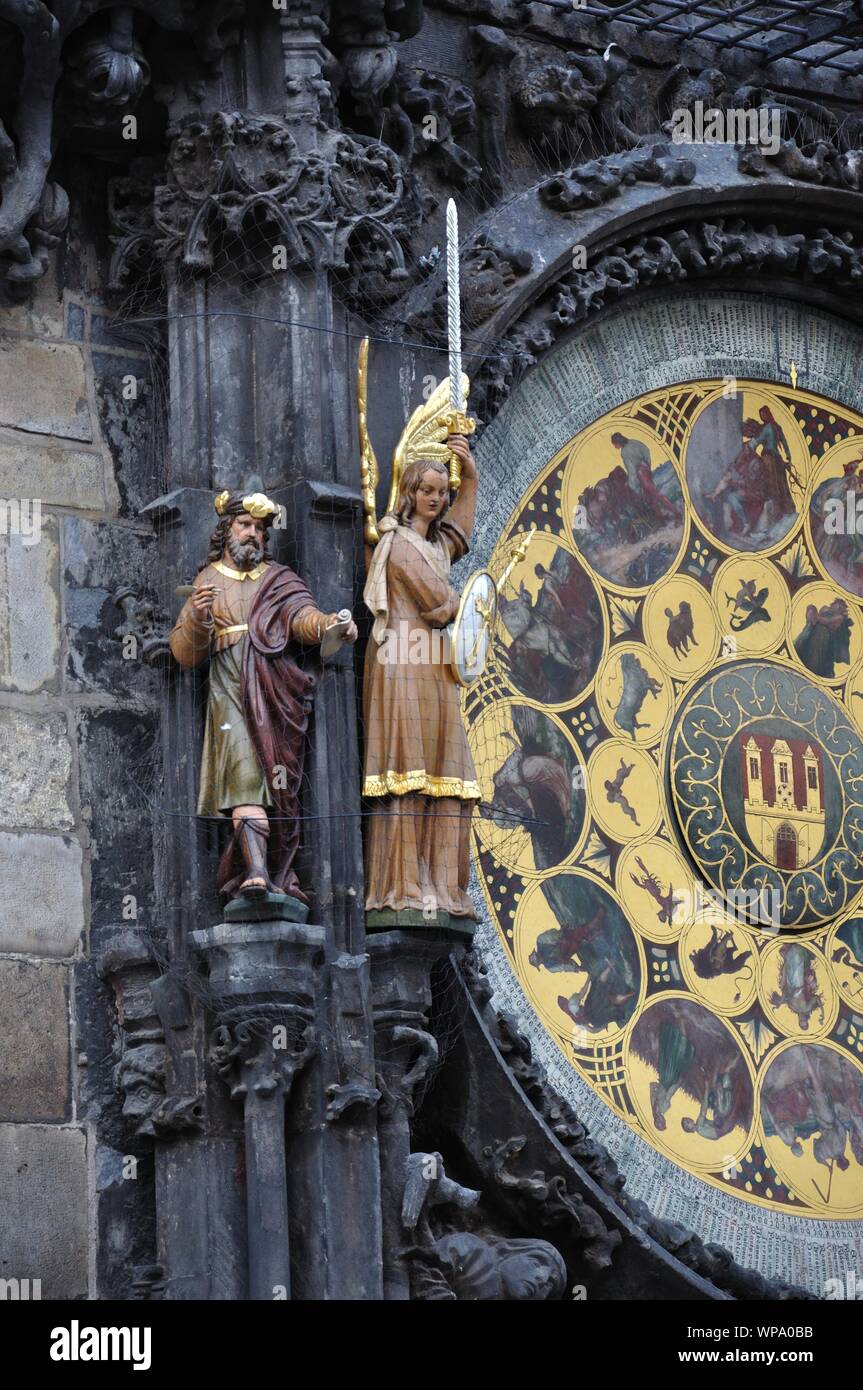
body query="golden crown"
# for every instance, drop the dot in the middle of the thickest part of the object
(255, 503)
(259, 506)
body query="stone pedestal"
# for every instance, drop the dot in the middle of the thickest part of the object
(262, 984)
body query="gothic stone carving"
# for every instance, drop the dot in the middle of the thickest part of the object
(548, 1201)
(355, 1089)
(33, 209)
(262, 1051)
(488, 273)
(695, 250)
(560, 100)
(571, 95)
(106, 71)
(821, 161)
(232, 175)
(439, 109)
(130, 218)
(588, 185)
(476, 1265)
(128, 966)
(143, 622)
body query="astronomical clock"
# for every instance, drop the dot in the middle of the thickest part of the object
(669, 742)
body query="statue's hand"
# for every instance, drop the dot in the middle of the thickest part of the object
(458, 445)
(350, 633)
(202, 600)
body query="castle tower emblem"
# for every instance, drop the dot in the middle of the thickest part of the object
(783, 798)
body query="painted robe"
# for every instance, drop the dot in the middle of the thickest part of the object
(418, 768)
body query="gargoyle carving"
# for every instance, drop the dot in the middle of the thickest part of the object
(473, 1266)
(143, 622)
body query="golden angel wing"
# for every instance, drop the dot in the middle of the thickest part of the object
(424, 437)
(369, 470)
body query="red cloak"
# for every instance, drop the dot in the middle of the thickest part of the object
(277, 698)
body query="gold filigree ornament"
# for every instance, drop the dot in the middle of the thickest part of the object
(221, 501)
(423, 437)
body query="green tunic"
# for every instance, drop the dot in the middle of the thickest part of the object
(230, 772)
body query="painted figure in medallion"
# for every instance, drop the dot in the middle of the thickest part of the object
(556, 635)
(249, 618)
(824, 641)
(836, 525)
(813, 1092)
(595, 941)
(741, 473)
(541, 782)
(629, 523)
(691, 1051)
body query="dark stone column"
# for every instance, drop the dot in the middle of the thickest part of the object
(163, 1104)
(262, 980)
(402, 963)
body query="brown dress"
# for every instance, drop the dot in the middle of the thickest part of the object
(418, 766)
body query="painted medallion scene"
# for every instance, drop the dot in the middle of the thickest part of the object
(669, 742)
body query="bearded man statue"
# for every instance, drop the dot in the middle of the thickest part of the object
(249, 617)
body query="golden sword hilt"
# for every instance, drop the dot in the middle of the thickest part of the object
(456, 422)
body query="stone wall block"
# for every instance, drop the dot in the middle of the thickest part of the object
(44, 388)
(41, 895)
(34, 1041)
(35, 763)
(43, 1215)
(29, 601)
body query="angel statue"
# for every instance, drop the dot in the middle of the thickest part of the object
(249, 617)
(419, 776)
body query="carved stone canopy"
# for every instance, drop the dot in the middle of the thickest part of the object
(238, 192)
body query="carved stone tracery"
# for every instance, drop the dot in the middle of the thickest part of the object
(695, 250)
(140, 1074)
(240, 185)
(105, 73)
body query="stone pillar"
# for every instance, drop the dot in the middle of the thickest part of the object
(262, 978)
(151, 1082)
(402, 963)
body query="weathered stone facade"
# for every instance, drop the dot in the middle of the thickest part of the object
(152, 351)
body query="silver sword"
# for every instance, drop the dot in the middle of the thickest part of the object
(453, 298)
(457, 422)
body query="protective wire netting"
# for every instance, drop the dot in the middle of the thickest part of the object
(211, 317)
(190, 324)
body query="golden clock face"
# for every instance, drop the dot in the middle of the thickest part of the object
(669, 738)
